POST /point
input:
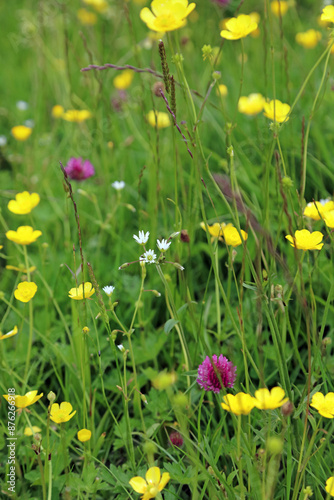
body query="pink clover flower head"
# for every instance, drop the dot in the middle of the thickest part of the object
(79, 169)
(215, 372)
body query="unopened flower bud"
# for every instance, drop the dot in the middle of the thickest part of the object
(150, 448)
(185, 236)
(275, 445)
(180, 400)
(287, 182)
(51, 397)
(123, 266)
(216, 75)
(326, 341)
(308, 491)
(85, 329)
(287, 409)
(157, 88)
(178, 266)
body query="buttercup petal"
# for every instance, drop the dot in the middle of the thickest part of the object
(153, 475)
(138, 484)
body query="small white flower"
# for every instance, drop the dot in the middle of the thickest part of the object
(29, 123)
(3, 140)
(163, 245)
(118, 185)
(121, 347)
(148, 257)
(22, 105)
(142, 239)
(108, 290)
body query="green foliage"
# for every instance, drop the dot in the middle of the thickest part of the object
(263, 304)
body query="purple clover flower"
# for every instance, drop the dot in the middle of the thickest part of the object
(79, 169)
(212, 373)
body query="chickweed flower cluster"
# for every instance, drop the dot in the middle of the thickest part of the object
(149, 256)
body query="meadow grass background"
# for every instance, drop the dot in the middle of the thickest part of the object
(265, 306)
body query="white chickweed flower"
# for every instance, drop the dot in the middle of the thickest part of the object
(142, 238)
(148, 257)
(108, 290)
(118, 185)
(121, 347)
(22, 105)
(163, 245)
(3, 140)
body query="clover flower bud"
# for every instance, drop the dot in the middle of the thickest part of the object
(176, 439)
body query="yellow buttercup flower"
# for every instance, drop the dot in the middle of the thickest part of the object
(238, 27)
(279, 7)
(166, 16)
(23, 203)
(276, 110)
(124, 79)
(23, 401)
(62, 413)
(329, 219)
(29, 432)
(251, 105)
(84, 435)
(21, 132)
(24, 235)
(153, 485)
(330, 486)
(240, 404)
(324, 404)
(21, 268)
(265, 400)
(308, 39)
(158, 119)
(316, 210)
(231, 235)
(76, 115)
(25, 291)
(13, 332)
(215, 230)
(87, 18)
(222, 90)
(99, 5)
(81, 292)
(57, 111)
(304, 240)
(328, 14)
(255, 16)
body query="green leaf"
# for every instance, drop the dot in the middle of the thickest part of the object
(170, 324)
